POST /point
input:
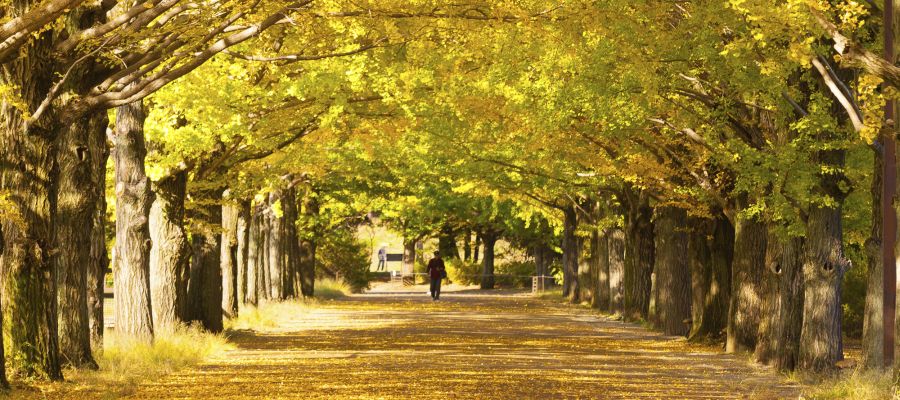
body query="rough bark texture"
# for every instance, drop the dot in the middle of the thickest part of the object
(477, 249)
(228, 259)
(29, 176)
(308, 251)
(205, 290)
(264, 281)
(275, 247)
(4, 383)
(170, 254)
(616, 241)
(487, 264)
(74, 220)
(639, 255)
(253, 250)
(133, 200)
(745, 310)
(710, 253)
(293, 283)
(673, 275)
(873, 317)
(243, 247)
(779, 329)
(99, 262)
(586, 272)
(600, 268)
(570, 254)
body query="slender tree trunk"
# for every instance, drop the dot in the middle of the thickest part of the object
(710, 253)
(745, 309)
(467, 245)
(586, 272)
(487, 265)
(253, 250)
(275, 249)
(4, 383)
(170, 254)
(243, 247)
(133, 200)
(408, 268)
(228, 260)
(30, 176)
(873, 317)
(206, 263)
(447, 243)
(99, 261)
(779, 329)
(639, 256)
(600, 263)
(293, 283)
(477, 248)
(616, 240)
(308, 250)
(265, 281)
(673, 275)
(570, 254)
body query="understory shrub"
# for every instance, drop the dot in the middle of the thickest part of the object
(464, 272)
(515, 274)
(341, 255)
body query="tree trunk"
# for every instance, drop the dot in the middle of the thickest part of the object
(639, 247)
(586, 272)
(477, 248)
(99, 261)
(745, 310)
(710, 254)
(487, 265)
(447, 243)
(293, 283)
(228, 260)
(4, 383)
(467, 245)
(243, 247)
(570, 254)
(265, 282)
(616, 240)
(133, 200)
(29, 175)
(408, 268)
(873, 317)
(308, 248)
(77, 200)
(170, 254)
(253, 249)
(206, 266)
(600, 267)
(276, 249)
(779, 329)
(673, 275)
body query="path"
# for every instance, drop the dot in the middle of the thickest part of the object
(469, 345)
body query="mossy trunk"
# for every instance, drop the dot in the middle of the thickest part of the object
(170, 254)
(616, 241)
(673, 274)
(710, 254)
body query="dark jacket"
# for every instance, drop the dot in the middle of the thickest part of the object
(436, 267)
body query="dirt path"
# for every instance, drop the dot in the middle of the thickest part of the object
(469, 345)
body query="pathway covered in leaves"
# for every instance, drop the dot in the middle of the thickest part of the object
(470, 345)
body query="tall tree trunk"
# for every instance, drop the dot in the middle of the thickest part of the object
(408, 268)
(228, 260)
(467, 245)
(616, 240)
(823, 273)
(873, 317)
(243, 247)
(477, 248)
(639, 257)
(170, 254)
(673, 275)
(586, 272)
(206, 262)
(29, 176)
(779, 329)
(487, 265)
(308, 249)
(133, 200)
(570, 254)
(77, 200)
(710, 253)
(254, 245)
(265, 281)
(99, 261)
(4, 383)
(600, 267)
(293, 283)
(745, 309)
(276, 249)
(447, 243)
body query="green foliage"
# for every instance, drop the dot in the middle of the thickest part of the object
(464, 272)
(515, 274)
(340, 254)
(853, 295)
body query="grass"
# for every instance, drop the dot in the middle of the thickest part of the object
(857, 385)
(330, 289)
(553, 294)
(270, 314)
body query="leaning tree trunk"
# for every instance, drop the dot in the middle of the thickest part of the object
(133, 200)
(29, 176)
(570, 254)
(243, 247)
(308, 249)
(253, 249)
(228, 260)
(710, 253)
(616, 240)
(779, 329)
(74, 221)
(745, 309)
(99, 260)
(673, 274)
(206, 292)
(487, 265)
(823, 273)
(639, 256)
(873, 317)
(170, 255)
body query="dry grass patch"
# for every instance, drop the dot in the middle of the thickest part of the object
(857, 385)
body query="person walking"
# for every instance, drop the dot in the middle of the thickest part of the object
(437, 271)
(382, 258)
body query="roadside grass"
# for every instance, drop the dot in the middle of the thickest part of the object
(331, 289)
(554, 294)
(269, 314)
(857, 385)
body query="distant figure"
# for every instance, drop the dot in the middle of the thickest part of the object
(438, 272)
(382, 258)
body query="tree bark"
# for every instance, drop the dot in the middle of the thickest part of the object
(710, 253)
(228, 260)
(477, 249)
(99, 261)
(600, 269)
(779, 329)
(205, 290)
(4, 383)
(29, 176)
(265, 282)
(639, 256)
(243, 254)
(276, 248)
(586, 272)
(873, 317)
(745, 309)
(253, 250)
(293, 283)
(170, 254)
(408, 268)
(308, 250)
(616, 240)
(487, 264)
(133, 200)
(447, 243)
(673, 275)
(570, 254)
(467, 245)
